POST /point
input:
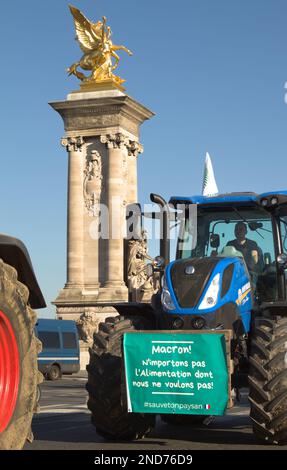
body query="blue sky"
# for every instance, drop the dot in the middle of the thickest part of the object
(213, 71)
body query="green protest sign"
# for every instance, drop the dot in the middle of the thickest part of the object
(180, 373)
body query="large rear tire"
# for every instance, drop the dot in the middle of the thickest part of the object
(106, 382)
(268, 380)
(19, 376)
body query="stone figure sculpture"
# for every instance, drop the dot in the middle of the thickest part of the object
(87, 324)
(140, 281)
(93, 183)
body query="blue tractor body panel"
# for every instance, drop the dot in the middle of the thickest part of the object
(238, 293)
(228, 198)
(213, 200)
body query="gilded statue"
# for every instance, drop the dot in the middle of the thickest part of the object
(100, 55)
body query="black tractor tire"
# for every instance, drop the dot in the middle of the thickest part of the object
(54, 373)
(106, 382)
(183, 420)
(21, 319)
(268, 380)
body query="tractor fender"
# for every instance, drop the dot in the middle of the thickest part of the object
(15, 253)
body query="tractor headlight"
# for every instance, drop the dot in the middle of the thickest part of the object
(211, 296)
(198, 323)
(166, 299)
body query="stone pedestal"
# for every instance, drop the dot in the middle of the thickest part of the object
(102, 141)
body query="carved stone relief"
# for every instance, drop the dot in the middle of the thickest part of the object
(93, 183)
(134, 148)
(78, 121)
(87, 325)
(73, 144)
(120, 140)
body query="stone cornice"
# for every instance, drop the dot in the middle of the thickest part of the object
(102, 112)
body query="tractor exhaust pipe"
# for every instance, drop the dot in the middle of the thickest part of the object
(164, 240)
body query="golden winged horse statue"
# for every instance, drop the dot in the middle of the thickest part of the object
(99, 51)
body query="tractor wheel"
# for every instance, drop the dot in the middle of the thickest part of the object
(19, 376)
(268, 380)
(186, 420)
(54, 373)
(106, 382)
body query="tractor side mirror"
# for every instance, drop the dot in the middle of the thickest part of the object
(214, 240)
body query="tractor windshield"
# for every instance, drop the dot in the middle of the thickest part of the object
(238, 231)
(283, 227)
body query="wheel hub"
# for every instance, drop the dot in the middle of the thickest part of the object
(9, 371)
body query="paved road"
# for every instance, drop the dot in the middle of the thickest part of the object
(64, 423)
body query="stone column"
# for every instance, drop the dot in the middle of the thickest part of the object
(116, 188)
(75, 212)
(93, 196)
(134, 149)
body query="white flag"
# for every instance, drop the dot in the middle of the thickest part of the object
(209, 187)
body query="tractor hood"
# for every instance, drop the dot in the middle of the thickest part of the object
(213, 288)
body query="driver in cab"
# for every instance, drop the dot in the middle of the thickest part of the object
(248, 248)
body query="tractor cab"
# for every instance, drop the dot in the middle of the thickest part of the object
(230, 261)
(263, 247)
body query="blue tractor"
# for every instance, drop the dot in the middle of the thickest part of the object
(229, 273)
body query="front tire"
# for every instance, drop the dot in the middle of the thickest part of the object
(19, 348)
(268, 380)
(106, 382)
(54, 373)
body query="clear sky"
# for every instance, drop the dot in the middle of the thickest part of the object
(213, 71)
